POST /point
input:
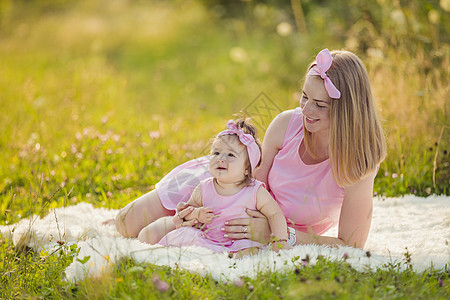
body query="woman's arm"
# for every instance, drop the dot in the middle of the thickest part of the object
(354, 220)
(356, 213)
(272, 143)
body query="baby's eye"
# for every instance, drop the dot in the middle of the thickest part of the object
(231, 155)
(215, 153)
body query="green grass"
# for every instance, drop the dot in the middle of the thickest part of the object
(100, 99)
(29, 275)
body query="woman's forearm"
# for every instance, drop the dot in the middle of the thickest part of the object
(309, 238)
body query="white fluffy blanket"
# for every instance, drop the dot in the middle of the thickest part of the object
(422, 225)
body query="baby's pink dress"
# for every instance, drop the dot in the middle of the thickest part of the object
(227, 208)
(308, 194)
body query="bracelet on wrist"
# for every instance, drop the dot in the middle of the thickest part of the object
(292, 239)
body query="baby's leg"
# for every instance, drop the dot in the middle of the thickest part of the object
(154, 232)
(138, 214)
(247, 251)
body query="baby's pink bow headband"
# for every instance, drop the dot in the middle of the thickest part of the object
(324, 60)
(254, 154)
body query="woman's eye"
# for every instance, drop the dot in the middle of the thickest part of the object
(318, 104)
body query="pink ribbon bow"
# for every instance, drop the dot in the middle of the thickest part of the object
(324, 60)
(254, 154)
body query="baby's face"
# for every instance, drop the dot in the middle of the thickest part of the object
(229, 159)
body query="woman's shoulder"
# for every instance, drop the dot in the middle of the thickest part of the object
(281, 122)
(286, 116)
(290, 123)
(279, 128)
(289, 116)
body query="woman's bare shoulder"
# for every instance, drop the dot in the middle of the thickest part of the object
(285, 116)
(281, 121)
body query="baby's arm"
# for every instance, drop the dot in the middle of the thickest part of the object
(199, 213)
(270, 209)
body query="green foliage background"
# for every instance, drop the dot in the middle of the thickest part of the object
(102, 98)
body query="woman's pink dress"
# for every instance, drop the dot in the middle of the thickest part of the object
(308, 194)
(226, 208)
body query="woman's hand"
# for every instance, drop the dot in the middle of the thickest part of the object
(183, 209)
(256, 228)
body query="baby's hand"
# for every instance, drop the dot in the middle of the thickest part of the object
(203, 214)
(181, 218)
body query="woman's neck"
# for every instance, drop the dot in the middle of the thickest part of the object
(227, 189)
(320, 145)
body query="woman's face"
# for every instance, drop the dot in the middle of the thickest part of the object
(316, 105)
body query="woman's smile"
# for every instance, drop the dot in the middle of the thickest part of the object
(311, 120)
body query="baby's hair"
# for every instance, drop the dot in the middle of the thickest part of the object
(247, 127)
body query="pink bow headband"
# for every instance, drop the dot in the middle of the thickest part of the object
(254, 154)
(323, 64)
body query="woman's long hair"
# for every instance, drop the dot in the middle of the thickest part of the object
(357, 143)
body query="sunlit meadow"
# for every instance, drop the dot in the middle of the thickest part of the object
(99, 99)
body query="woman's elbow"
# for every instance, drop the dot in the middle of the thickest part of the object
(354, 241)
(354, 234)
